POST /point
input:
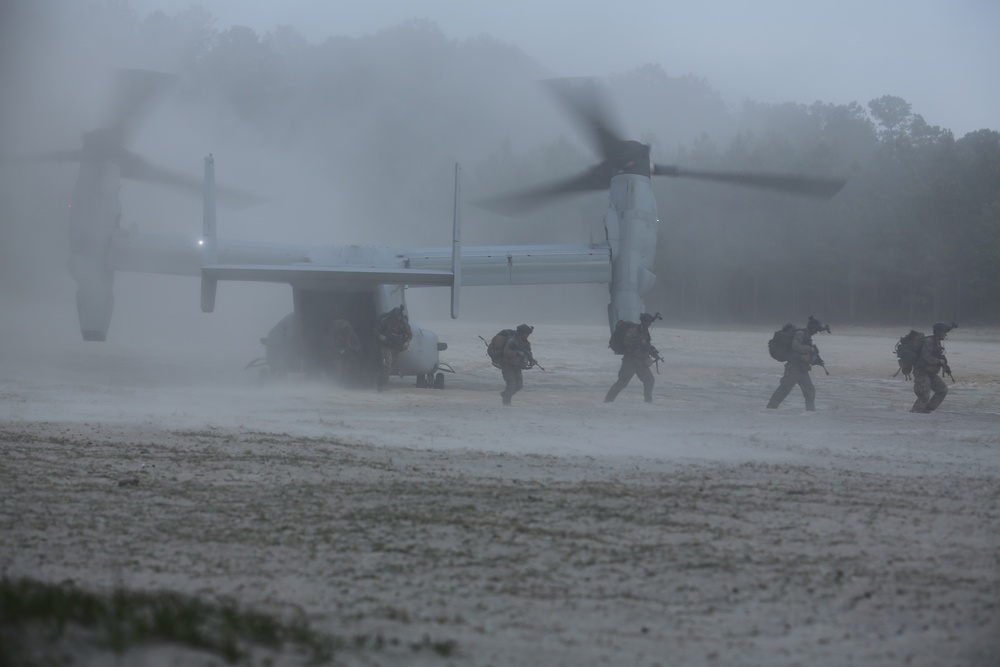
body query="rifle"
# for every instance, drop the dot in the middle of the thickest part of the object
(655, 354)
(533, 362)
(817, 360)
(946, 369)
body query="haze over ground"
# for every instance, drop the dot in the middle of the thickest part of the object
(701, 529)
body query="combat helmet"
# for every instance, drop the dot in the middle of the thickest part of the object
(941, 327)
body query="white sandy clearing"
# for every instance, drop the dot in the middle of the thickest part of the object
(699, 530)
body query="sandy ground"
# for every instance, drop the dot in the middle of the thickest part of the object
(699, 530)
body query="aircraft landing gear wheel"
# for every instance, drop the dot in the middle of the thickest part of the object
(421, 381)
(439, 381)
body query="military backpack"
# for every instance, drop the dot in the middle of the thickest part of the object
(780, 345)
(494, 349)
(908, 351)
(617, 341)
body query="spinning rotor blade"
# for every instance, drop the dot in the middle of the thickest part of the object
(53, 156)
(138, 169)
(133, 93)
(588, 106)
(806, 186)
(595, 178)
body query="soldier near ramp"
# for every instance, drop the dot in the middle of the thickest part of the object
(343, 347)
(393, 333)
(802, 356)
(930, 365)
(638, 354)
(516, 358)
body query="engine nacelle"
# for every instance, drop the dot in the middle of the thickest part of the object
(94, 216)
(631, 224)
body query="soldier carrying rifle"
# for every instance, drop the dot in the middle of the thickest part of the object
(516, 357)
(801, 356)
(638, 354)
(931, 361)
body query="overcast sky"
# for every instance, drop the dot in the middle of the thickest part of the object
(941, 56)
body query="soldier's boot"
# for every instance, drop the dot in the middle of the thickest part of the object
(811, 406)
(919, 406)
(776, 398)
(505, 398)
(934, 403)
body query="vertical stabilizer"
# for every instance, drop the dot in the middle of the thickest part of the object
(209, 237)
(456, 245)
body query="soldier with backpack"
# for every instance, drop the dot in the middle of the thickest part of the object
(343, 349)
(393, 334)
(796, 349)
(513, 357)
(930, 361)
(633, 342)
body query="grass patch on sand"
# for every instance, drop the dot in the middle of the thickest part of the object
(121, 620)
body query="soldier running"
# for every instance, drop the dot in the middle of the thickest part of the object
(797, 368)
(639, 354)
(929, 364)
(516, 357)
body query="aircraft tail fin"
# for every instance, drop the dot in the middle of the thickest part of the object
(210, 238)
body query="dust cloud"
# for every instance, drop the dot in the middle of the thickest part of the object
(381, 174)
(560, 529)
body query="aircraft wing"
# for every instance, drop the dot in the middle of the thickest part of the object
(353, 267)
(327, 278)
(484, 265)
(558, 264)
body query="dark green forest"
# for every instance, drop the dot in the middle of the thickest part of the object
(914, 237)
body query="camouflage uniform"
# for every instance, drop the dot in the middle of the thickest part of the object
(926, 371)
(638, 357)
(393, 334)
(516, 357)
(797, 368)
(343, 346)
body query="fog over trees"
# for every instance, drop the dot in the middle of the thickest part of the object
(354, 139)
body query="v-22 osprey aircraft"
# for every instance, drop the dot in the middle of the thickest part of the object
(358, 284)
